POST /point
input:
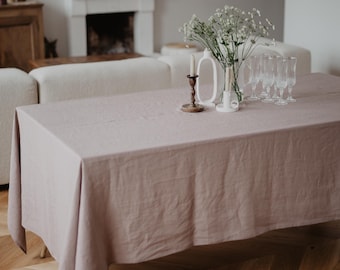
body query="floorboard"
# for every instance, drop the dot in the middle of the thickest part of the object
(315, 247)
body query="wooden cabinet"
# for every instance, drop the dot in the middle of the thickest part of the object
(21, 34)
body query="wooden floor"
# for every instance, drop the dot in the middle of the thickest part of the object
(304, 248)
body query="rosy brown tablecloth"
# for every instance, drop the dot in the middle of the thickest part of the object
(131, 178)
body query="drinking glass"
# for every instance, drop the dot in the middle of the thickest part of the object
(263, 93)
(281, 80)
(268, 76)
(291, 77)
(277, 58)
(254, 76)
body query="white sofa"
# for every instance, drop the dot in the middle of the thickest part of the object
(73, 81)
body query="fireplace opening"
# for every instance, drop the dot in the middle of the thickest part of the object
(110, 33)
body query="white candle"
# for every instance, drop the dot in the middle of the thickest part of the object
(192, 65)
(226, 83)
(231, 79)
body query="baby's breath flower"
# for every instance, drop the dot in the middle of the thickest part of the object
(230, 34)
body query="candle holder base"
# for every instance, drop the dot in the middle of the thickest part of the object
(221, 108)
(192, 108)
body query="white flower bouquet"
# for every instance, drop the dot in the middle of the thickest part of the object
(230, 34)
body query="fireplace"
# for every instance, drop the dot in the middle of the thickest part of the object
(110, 33)
(140, 16)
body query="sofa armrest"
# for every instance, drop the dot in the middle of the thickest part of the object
(16, 89)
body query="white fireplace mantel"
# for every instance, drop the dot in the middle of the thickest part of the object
(143, 22)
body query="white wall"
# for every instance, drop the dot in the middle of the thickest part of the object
(172, 14)
(313, 24)
(169, 16)
(55, 23)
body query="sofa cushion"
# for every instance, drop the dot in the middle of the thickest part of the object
(16, 89)
(180, 64)
(180, 68)
(73, 81)
(303, 65)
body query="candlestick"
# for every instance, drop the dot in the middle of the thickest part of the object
(192, 107)
(192, 65)
(228, 103)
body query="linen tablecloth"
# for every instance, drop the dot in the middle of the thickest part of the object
(129, 178)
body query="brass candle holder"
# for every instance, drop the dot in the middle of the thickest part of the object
(192, 107)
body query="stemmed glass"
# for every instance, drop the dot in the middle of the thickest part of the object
(281, 80)
(277, 58)
(291, 77)
(254, 77)
(268, 76)
(263, 93)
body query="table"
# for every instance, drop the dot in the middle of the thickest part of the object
(129, 178)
